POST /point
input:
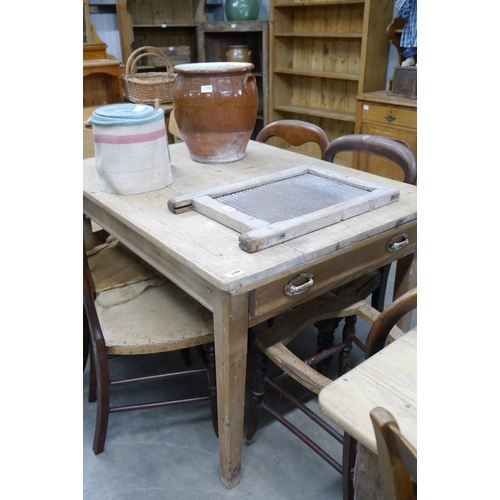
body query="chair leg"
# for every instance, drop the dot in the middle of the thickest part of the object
(101, 423)
(378, 296)
(92, 377)
(212, 387)
(186, 356)
(348, 462)
(102, 417)
(347, 334)
(326, 330)
(86, 339)
(259, 382)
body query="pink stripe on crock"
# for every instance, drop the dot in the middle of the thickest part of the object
(129, 139)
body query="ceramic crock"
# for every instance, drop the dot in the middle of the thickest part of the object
(238, 53)
(215, 107)
(242, 10)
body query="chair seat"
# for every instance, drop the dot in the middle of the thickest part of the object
(325, 312)
(339, 304)
(138, 311)
(139, 318)
(112, 266)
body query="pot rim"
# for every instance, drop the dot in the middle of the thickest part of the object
(213, 67)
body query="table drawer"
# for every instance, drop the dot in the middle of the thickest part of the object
(389, 115)
(341, 267)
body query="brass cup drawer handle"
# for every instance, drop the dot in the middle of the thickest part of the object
(397, 242)
(390, 117)
(291, 289)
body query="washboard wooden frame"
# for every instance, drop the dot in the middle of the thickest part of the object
(257, 233)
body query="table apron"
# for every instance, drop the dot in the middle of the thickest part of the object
(341, 267)
(269, 300)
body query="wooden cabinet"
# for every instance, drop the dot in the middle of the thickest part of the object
(379, 113)
(159, 23)
(102, 82)
(214, 38)
(323, 53)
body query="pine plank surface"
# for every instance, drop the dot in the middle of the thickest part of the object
(211, 248)
(387, 379)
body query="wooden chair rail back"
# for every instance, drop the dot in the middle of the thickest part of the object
(392, 149)
(295, 132)
(378, 145)
(386, 321)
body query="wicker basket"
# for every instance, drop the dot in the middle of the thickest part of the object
(144, 88)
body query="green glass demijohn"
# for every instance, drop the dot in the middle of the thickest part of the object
(242, 10)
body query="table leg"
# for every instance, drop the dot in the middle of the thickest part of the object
(231, 336)
(88, 235)
(406, 279)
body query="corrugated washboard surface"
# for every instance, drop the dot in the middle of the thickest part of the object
(285, 199)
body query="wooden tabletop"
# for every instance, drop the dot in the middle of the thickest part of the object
(387, 379)
(213, 249)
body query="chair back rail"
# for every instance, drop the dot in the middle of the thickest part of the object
(378, 145)
(295, 132)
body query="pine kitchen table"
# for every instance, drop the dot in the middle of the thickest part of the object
(244, 289)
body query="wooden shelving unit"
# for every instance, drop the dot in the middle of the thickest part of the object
(214, 38)
(323, 53)
(159, 23)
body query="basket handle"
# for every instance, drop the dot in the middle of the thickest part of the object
(143, 52)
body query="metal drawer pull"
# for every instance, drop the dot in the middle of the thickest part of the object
(290, 289)
(397, 242)
(390, 117)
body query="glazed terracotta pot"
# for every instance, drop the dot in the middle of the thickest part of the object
(215, 106)
(238, 53)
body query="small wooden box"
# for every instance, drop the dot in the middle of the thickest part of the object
(404, 81)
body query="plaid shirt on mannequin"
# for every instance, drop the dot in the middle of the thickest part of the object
(407, 9)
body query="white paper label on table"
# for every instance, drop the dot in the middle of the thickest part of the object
(236, 272)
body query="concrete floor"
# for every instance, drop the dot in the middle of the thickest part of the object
(172, 453)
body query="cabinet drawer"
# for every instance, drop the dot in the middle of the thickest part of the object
(341, 267)
(389, 115)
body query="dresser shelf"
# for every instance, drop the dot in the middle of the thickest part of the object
(317, 74)
(322, 55)
(318, 112)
